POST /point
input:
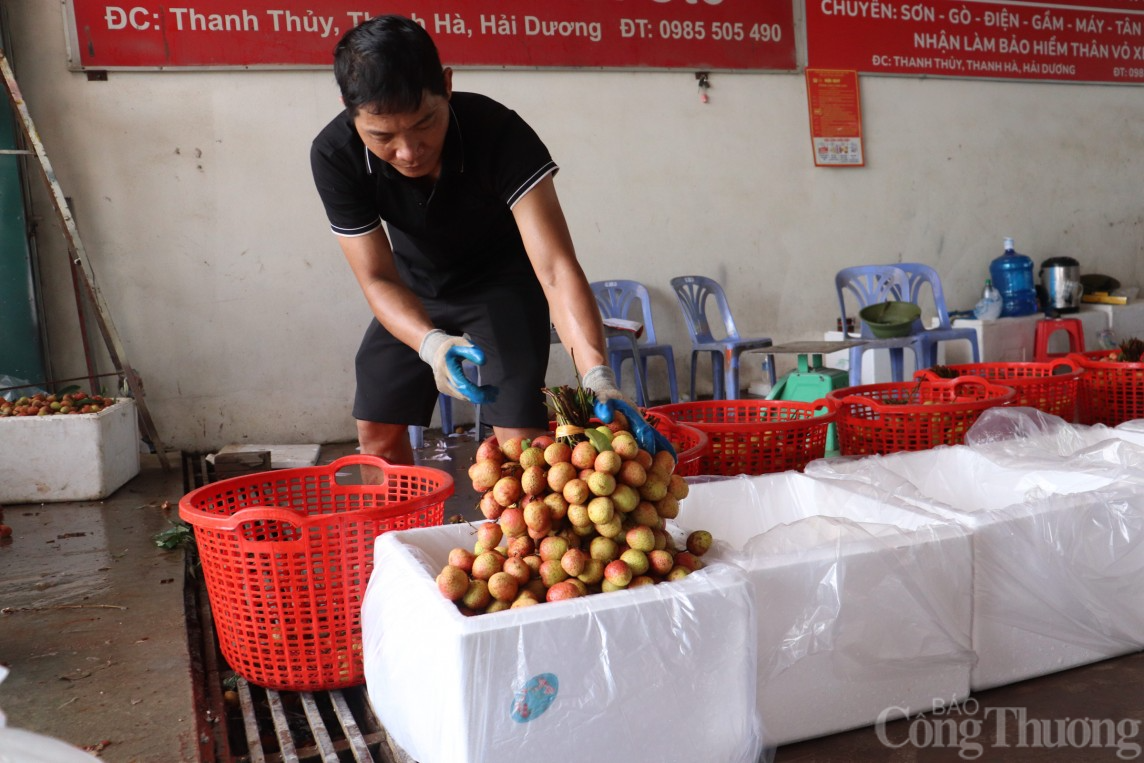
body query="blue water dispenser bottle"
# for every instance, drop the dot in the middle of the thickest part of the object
(1012, 274)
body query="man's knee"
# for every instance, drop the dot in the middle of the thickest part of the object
(388, 441)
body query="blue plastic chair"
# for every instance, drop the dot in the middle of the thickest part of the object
(693, 293)
(445, 409)
(919, 275)
(617, 299)
(870, 285)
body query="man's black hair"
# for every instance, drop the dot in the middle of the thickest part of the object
(385, 65)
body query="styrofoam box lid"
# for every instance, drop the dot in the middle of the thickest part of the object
(658, 672)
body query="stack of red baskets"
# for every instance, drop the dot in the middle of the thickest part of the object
(286, 556)
(755, 436)
(905, 416)
(1110, 391)
(1050, 387)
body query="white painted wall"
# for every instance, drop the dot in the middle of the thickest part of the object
(194, 200)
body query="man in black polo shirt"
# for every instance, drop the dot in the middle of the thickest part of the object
(478, 261)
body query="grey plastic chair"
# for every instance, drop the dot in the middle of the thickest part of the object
(617, 299)
(919, 276)
(870, 285)
(693, 293)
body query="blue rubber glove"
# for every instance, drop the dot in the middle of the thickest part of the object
(609, 399)
(446, 355)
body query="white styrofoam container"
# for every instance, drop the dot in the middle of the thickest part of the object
(70, 457)
(863, 608)
(663, 672)
(1058, 552)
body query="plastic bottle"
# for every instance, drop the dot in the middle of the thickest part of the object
(1013, 276)
(988, 308)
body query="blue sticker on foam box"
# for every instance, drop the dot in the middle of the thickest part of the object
(535, 698)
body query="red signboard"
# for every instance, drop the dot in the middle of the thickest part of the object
(1063, 40)
(654, 34)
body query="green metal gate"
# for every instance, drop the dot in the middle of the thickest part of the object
(21, 350)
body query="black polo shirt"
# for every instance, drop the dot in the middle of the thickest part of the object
(450, 237)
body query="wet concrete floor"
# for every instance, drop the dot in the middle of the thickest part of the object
(92, 628)
(92, 623)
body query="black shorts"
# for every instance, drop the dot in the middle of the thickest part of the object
(508, 321)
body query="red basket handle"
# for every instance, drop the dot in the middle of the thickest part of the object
(830, 404)
(959, 381)
(1068, 362)
(989, 386)
(230, 522)
(1003, 392)
(975, 381)
(406, 505)
(358, 459)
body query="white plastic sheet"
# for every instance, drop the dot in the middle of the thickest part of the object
(662, 672)
(862, 606)
(1056, 514)
(22, 746)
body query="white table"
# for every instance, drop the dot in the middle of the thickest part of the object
(1010, 340)
(1005, 340)
(1125, 321)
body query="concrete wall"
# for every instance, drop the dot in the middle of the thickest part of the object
(194, 200)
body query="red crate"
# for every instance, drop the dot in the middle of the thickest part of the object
(1110, 391)
(916, 415)
(755, 436)
(1050, 386)
(286, 556)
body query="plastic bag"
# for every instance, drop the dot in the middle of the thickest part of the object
(863, 605)
(1058, 539)
(20, 746)
(21, 388)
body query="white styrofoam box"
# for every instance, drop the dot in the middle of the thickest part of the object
(663, 672)
(1058, 555)
(863, 607)
(68, 457)
(1011, 339)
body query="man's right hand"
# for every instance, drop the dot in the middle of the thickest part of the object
(609, 399)
(446, 354)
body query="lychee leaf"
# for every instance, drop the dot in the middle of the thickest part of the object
(600, 440)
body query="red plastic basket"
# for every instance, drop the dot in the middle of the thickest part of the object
(1050, 387)
(690, 443)
(755, 436)
(915, 415)
(286, 556)
(1110, 391)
